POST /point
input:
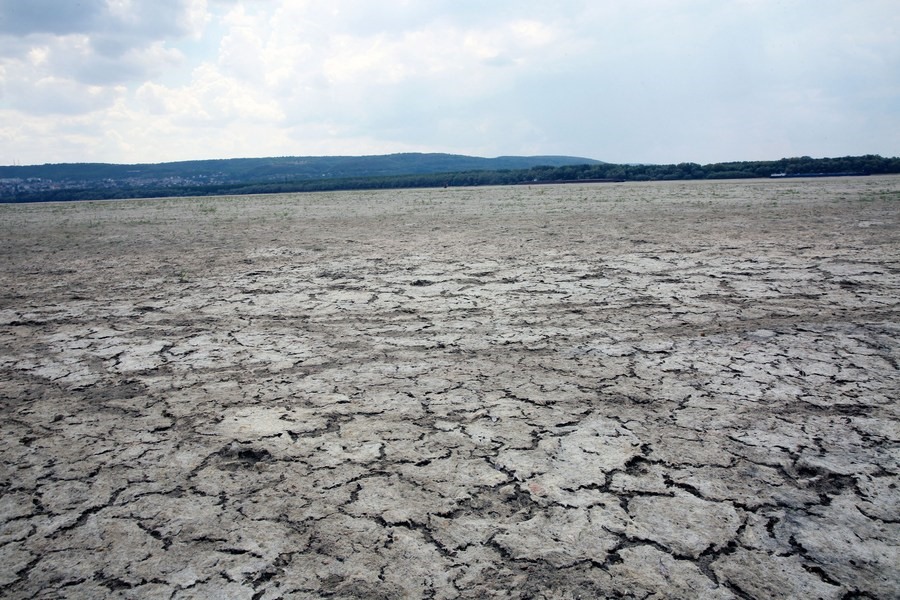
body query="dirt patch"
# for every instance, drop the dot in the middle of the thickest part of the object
(610, 390)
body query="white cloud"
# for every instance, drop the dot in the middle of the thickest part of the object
(649, 80)
(212, 99)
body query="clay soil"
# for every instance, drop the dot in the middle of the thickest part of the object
(667, 390)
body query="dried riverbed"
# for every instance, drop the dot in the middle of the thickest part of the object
(617, 390)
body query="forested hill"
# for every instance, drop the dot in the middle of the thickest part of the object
(257, 170)
(281, 175)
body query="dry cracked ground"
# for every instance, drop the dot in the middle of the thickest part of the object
(679, 390)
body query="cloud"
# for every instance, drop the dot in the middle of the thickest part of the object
(212, 99)
(135, 18)
(51, 95)
(648, 81)
(50, 16)
(93, 42)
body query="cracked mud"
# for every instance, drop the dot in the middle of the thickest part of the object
(638, 390)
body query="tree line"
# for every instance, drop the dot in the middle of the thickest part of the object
(802, 166)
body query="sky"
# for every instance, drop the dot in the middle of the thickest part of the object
(624, 81)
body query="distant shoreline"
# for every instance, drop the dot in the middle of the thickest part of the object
(69, 182)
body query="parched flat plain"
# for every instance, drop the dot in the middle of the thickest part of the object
(683, 389)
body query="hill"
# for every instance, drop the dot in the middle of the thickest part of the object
(41, 183)
(292, 168)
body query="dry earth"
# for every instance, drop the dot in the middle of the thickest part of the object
(680, 390)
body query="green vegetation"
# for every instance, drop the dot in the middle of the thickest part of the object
(285, 175)
(271, 170)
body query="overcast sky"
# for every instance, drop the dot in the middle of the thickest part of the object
(622, 81)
